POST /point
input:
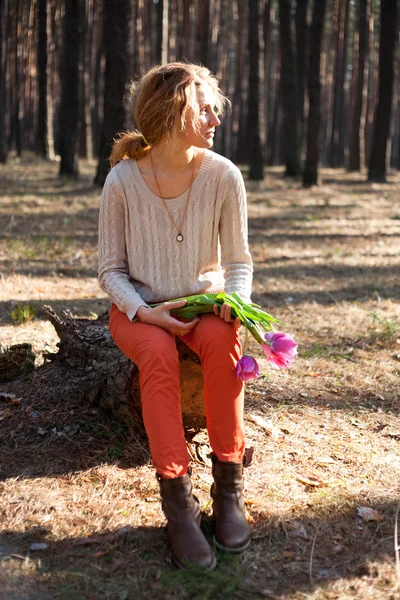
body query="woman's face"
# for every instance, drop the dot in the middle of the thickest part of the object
(203, 136)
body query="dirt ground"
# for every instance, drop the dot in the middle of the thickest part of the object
(79, 481)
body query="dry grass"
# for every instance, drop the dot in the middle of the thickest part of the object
(80, 481)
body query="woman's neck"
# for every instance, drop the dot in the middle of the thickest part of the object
(172, 159)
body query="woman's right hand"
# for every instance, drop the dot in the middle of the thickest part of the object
(160, 316)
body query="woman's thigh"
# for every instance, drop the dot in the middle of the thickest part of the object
(140, 342)
(214, 334)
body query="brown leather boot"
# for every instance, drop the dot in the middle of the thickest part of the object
(182, 510)
(232, 531)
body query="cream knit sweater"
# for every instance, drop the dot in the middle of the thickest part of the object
(140, 260)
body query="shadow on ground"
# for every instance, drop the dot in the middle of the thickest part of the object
(288, 556)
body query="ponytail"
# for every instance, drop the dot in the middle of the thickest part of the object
(130, 144)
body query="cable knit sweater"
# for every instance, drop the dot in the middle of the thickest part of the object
(140, 260)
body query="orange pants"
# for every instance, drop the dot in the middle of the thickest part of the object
(154, 352)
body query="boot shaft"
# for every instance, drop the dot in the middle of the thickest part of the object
(232, 531)
(177, 499)
(228, 481)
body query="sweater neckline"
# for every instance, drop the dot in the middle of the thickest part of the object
(145, 191)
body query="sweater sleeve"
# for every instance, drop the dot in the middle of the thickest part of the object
(113, 272)
(235, 255)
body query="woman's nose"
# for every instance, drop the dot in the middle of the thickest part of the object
(214, 121)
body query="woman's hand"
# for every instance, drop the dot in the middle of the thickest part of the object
(225, 313)
(160, 316)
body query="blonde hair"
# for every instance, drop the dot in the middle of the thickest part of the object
(163, 95)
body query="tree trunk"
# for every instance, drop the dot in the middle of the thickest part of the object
(239, 101)
(16, 123)
(362, 53)
(96, 87)
(85, 131)
(68, 115)
(105, 377)
(31, 79)
(3, 81)
(203, 33)
(387, 45)
(372, 80)
(336, 154)
(42, 145)
(310, 176)
(116, 25)
(224, 39)
(301, 65)
(268, 58)
(162, 32)
(289, 91)
(255, 155)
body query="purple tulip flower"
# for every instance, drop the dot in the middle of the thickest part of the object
(247, 368)
(280, 349)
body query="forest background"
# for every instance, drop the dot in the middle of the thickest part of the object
(315, 129)
(309, 81)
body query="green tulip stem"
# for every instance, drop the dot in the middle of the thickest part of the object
(245, 340)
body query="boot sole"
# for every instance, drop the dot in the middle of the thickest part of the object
(231, 550)
(187, 565)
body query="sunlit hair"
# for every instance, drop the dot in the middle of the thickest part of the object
(162, 102)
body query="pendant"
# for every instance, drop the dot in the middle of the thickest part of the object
(179, 237)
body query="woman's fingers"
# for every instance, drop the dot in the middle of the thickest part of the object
(225, 313)
(237, 323)
(184, 328)
(167, 306)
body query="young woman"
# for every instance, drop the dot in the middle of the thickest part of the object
(173, 222)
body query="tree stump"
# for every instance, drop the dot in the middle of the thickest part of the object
(111, 380)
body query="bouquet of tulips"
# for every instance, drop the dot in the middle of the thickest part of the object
(279, 348)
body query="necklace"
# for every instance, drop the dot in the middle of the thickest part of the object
(179, 237)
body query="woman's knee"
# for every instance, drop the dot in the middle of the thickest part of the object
(219, 334)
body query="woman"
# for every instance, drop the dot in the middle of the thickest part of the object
(173, 222)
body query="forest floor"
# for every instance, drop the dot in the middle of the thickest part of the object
(327, 262)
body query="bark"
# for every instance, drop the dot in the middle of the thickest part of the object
(254, 146)
(372, 86)
(203, 33)
(97, 89)
(3, 81)
(85, 130)
(387, 45)
(106, 378)
(301, 64)
(289, 91)
(268, 61)
(327, 66)
(240, 97)
(310, 175)
(42, 146)
(275, 125)
(16, 133)
(116, 26)
(359, 65)
(51, 77)
(29, 80)
(224, 44)
(273, 83)
(69, 102)
(336, 154)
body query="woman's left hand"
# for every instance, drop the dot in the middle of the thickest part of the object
(225, 314)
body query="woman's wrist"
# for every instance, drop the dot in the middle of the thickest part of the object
(141, 313)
